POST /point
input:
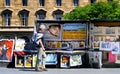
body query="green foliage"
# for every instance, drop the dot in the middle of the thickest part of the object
(99, 10)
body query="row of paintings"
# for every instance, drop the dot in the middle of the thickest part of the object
(106, 30)
(105, 38)
(65, 44)
(114, 47)
(30, 60)
(70, 60)
(65, 60)
(67, 31)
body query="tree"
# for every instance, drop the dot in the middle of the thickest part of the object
(98, 10)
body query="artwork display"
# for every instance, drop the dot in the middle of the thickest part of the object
(110, 46)
(53, 32)
(96, 44)
(110, 30)
(51, 59)
(75, 60)
(98, 30)
(19, 44)
(6, 50)
(28, 61)
(65, 44)
(65, 61)
(74, 31)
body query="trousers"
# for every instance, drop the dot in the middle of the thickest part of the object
(41, 58)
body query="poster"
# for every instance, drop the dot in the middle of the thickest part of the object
(110, 46)
(51, 58)
(106, 46)
(115, 47)
(75, 60)
(19, 44)
(6, 50)
(65, 61)
(74, 31)
(28, 61)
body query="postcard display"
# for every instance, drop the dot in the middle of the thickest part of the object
(65, 39)
(106, 41)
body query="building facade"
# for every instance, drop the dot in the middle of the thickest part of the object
(17, 17)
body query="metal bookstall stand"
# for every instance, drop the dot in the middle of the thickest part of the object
(104, 40)
(68, 39)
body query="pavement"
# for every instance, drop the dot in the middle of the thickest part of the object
(4, 70)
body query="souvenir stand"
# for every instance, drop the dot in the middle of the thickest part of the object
(65, 42)
(104, 40)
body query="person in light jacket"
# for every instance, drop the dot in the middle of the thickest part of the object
(41, 55)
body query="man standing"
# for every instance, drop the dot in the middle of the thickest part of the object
(41, 55)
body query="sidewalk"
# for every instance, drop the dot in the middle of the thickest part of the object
(61, 71)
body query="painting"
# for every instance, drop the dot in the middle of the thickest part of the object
(6, 50)
(51, 58)
(65, 61)
(74, 31)
(110, 30)
(28, 61)
(75, 60)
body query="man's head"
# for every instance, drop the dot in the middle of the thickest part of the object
(42, 27)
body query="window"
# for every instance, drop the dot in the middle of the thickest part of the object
(41, 2)
(93, 1)
(76, 2)
(24, 17)
(58, 2)
(58, 14)
(7, 17)
(41, 14)
(24, 2)
(7, 2)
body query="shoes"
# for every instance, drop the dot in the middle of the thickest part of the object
(44, 69)
(39, 70)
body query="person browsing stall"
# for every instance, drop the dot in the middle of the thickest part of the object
(41, 55)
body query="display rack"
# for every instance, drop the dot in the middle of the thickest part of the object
(104, 36)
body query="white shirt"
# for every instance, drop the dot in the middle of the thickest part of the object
(36, 37)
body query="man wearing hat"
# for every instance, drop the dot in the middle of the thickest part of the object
(41, 55)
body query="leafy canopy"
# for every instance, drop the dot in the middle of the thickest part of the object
(98, 10)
